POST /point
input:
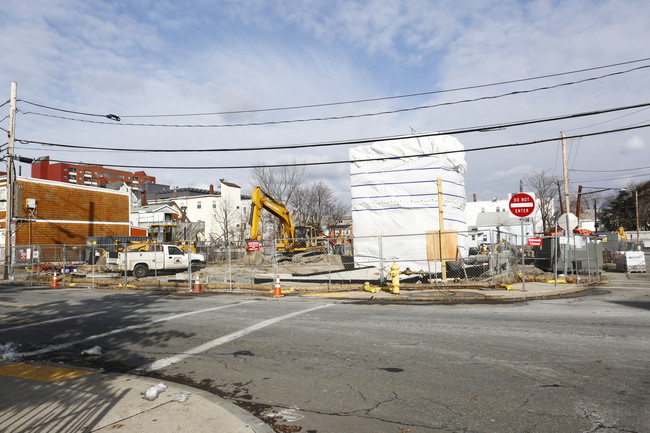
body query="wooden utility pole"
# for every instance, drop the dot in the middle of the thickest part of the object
(9, 196)
(567, 202)
(441, 226)
(559, 196)
(636, 201)
(579, 204)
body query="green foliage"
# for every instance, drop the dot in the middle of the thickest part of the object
(621, 209)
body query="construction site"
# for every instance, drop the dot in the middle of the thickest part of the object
(408, 215)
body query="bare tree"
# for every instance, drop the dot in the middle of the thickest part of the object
(316, 205)
(279, 182)
(226, 217)
(313, 204)
(544, 186)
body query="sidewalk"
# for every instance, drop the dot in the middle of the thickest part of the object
(533, 290)
(42, 398)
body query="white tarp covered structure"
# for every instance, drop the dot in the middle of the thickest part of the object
(395, 209)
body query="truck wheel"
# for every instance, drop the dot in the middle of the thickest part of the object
(140, 270)
(196, 266)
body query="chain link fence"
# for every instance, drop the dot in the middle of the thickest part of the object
(425, 261)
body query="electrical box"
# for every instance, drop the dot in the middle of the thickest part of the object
(31, 203)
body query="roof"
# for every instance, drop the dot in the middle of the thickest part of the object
(230, 184)
(156, 207)
(496, 219)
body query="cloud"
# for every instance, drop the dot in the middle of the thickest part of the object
(163, 57)
(634, 144)
(513, 173)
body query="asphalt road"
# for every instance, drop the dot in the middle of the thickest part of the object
(579, 364)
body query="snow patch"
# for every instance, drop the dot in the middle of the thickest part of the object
(9, 352)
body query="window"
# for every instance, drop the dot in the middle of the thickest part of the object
(175, 251)
(214, 204)
(198, 204)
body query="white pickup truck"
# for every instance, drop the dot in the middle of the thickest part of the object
(158, 257)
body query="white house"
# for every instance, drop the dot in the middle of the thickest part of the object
(221, 213)
(491, 221)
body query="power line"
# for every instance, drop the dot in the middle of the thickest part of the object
(341, 117)
(347, 161)
(611, 178)
(109, 116)
(622, 169)
(606, 121)
(357, 101)
(484, 128)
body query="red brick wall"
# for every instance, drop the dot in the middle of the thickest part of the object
(66, 214)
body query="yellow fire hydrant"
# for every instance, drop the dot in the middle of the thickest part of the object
(394, 273)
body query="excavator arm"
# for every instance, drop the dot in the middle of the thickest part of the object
(260, 201)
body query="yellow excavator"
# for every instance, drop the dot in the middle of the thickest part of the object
(293, 239)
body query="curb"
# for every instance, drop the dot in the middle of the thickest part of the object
(251, 421)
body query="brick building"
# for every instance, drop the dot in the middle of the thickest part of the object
(88, 174)
(49, 212)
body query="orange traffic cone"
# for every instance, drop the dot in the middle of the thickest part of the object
(278, 288)
(197, 286)
(55, 283)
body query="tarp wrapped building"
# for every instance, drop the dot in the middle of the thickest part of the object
(395, 202)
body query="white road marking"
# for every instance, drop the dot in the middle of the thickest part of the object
(47, 322)
(162, 363)
(127, 328)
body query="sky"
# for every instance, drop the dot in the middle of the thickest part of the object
(149, 62)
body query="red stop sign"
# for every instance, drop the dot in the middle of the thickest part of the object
(522, 204)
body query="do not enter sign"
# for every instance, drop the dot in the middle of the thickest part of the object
(522, 205)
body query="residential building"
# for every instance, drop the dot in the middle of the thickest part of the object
(341, 230)
(490, 221)
(221, 213)
(48, 212)
(88, 174)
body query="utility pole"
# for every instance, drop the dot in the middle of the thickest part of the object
(579, 204)
(10, 181)
(567, 203)
(559, 196)
(636, 201)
